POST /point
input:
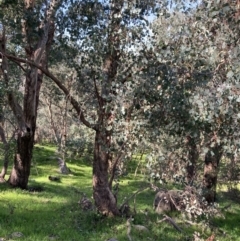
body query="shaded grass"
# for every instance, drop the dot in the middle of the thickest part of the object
(54, 213)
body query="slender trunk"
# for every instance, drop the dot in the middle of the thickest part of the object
(6, 153)
(54, 128)
(3, 137)
(211, 166)
(4, 70)
(64, 131)
(105, 201)
(233, 170)
(193, 155)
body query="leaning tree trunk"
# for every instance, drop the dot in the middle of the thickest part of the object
(211, 166)
(37, 53)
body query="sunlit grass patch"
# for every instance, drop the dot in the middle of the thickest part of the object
(53, 212)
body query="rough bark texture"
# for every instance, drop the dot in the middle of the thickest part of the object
(105, 201)
(37, 52)
(3, 72)
(211, 164)
(22, 162)
(25, 137)
(193, 155)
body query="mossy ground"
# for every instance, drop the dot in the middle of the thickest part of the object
(54, 212)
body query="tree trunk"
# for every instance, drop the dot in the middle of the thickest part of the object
(3, 68)
(6, 151)
(54, 127)
(22, 161)
(105, 201)
(64, 131)
(25, 138)
(211, 164)
(36, 52)
(193, 155)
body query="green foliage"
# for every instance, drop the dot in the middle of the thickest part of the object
(195, 92)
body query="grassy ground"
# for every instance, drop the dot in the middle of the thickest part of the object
(54, 213)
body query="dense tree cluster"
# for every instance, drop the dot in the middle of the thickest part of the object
(121, 78)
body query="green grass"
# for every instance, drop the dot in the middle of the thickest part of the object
(54, 213)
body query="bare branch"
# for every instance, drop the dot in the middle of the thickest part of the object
(115, 163)
(58, 82)
(18, 64)
(133, 195)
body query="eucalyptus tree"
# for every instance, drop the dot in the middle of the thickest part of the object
(200, 98)
(108, 35)
(170, 122)
(31, 27)
(218, 102)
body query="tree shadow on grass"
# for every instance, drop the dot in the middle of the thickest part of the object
(230, 209)
(55, 213)
(41, 215)
(231, 221)
(232, 195)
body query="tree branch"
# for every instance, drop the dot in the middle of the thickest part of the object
(18, 64)
(14, 105)
(58, 82)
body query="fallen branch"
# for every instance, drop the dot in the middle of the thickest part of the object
(162, 220)
(170, 220)
(226, 207)
(132, 196)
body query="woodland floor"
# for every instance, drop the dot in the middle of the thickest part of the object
(52, 212)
